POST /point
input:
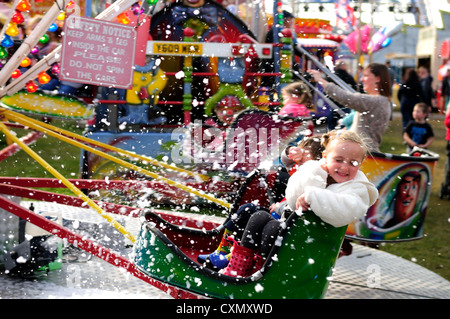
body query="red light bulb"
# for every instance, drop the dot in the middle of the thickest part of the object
(16, 73)
(17, 18)
(31, 87)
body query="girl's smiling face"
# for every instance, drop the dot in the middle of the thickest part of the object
(343, 160)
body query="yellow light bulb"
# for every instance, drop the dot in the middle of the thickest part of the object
(12, 30)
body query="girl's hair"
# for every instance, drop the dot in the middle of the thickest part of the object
(301, 91)
(344, 135)
(411, 76)
(314, 145)
(381, 70)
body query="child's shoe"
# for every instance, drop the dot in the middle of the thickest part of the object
(217, 260)
(258, 263)
(241, 261)
(218, 255)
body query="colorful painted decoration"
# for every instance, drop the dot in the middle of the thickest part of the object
(48, 104)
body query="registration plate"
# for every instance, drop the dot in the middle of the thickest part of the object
(177, 48)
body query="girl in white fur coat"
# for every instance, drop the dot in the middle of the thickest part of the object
(334, 188)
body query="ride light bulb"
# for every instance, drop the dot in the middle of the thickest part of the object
(23, 6)
(3, 53)
(31, 87)
(44, 39)
(17, 18)
(25, 62)
(34, 50)
(61, 16)
(7, 42)
(16, 73)
(53, 27)
(44, 78)
(123, 18)
(12, 30)
(55, 69)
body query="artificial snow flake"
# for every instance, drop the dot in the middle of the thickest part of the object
(259, 288)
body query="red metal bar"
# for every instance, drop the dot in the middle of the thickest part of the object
(40, 195)
(262, 74)
(109, 185)
(90, 247)
(112, 102)
(14, 125)
(118, 209)
(194, 73)
(14, 148)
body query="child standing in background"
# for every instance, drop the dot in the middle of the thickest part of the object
(418, 132)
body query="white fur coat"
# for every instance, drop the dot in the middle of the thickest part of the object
(338, 204)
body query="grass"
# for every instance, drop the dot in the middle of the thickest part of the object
(64, 157)
(431, 252)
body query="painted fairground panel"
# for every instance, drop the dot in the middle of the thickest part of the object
(404, 185)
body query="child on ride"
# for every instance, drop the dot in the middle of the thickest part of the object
(333, 188)
(309, 148)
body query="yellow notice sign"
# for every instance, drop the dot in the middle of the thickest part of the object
(176, 48)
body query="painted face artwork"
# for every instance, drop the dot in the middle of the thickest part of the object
(405, 202)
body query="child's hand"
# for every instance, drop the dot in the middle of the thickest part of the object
(273, 207)
(302, 203)
(295, 154)
(324, 167)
